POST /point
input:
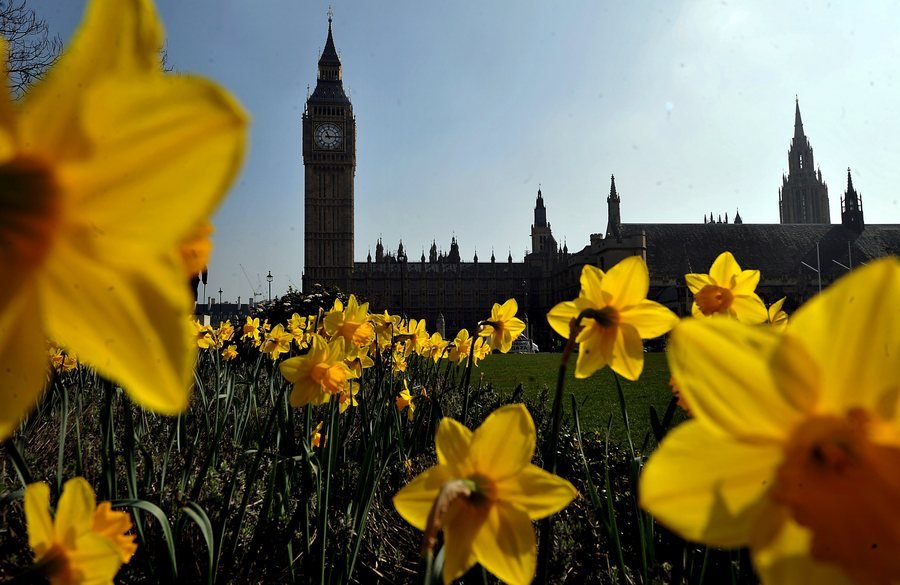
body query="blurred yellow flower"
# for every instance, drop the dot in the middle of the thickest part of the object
(319, 374)
(620, 317)
(86, 543)
(503, 327)
(386, 326)
(794, 448)
(482, 350)
(297, 326)
(399, 359)
(70, 362)
(106, 166)
(350, 322)
(196, 249)
(347, 398)
(727, 290)
(485, 492)
(317, 438)
(777, 317)
(277, 342)
(230, 352)
(415, 336)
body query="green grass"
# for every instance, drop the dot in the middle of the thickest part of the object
(596, 396)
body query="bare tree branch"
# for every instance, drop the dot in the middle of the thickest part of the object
(31, 48)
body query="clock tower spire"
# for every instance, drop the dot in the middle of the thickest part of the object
(329, 161)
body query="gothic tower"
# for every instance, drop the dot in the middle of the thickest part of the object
(851, 208)
(614, 212)
(803, 197)
(329, 160)
(542, 240)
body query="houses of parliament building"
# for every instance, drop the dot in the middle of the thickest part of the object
(446, 289)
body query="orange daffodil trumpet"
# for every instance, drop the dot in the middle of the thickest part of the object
(727, 290)
(484, 493)
(615, 316)
(106, 166)
(86, 543)
(794, 448)
(503, 327)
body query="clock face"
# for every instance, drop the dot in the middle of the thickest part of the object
(329, 136)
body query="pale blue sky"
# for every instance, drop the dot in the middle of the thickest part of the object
(463, 108)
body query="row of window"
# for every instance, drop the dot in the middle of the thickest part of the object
(327, 111)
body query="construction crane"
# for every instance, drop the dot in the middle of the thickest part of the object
(257, 290)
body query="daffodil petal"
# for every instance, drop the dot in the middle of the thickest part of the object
(784, 558)
(75, 511)
(536, 491)
(506, 545)
(851, 331)
(696, 282)
(415, 500)
(724, 270)
(150, 136)
(96, 557)
(628, 282)
(723, 370)
(745, 282)
(595, 352)
(461, 525)
(628, 353)
(560, 317)
(23, 361)
(37, 516)
(116, 37)
(708, 487)
(591, 283)
(504, 443)
(749, 309)
(129, 322)
(452, 442)
(650, 318)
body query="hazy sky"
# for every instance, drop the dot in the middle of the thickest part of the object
(464, 108)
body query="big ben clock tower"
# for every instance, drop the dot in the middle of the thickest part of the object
(329, 161)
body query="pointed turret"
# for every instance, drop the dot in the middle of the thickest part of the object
(379, 251)
(493, 258)
(737, 218)
(851, 208)
(798, 122)
(614, 214)
(433, 252)
(542, 241)
(540, 212)
(329, 87)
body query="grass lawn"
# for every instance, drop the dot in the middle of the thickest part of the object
(596, 396)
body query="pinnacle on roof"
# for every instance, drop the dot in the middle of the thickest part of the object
(798, 123)
(613, 195)
(849, 181)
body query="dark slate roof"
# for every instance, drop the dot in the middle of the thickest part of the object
(329, 91)
(674, 250)
(329, 53)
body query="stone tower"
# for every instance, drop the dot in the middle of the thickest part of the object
(851, 208)
(542, 240)
(329, 161)
(803, 197)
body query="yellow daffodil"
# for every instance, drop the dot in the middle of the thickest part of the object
(485, 493)
(57, 358)
(462, 346)
(350, 322)
(503, 327)
(482, 350)
(386, 326)
(70, 362)
(86, 543)
(619, 317)
(229, 353)
(727, 290)
(415, 336)
(224, 332)
(319, 374)
(203, 334)
(347, 398)
(398, 364)
(437, 347)
(278, 341)
(777, 317)
(405, 399)
(318, 440)
(250, 330)
(106, 165)
(297, 325)
(794, 448)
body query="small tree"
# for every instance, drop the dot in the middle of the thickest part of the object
(31, 49)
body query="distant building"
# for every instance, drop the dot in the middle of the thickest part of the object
(446, 290)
